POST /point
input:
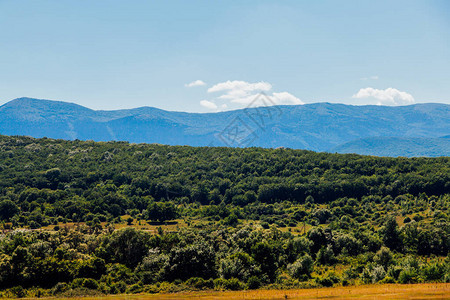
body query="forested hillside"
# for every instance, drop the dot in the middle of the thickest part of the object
(83, 217)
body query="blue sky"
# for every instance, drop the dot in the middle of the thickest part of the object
(124, 54)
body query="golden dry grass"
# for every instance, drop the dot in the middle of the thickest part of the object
(387, 291)
(171, 226)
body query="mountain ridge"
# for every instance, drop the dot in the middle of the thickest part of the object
(318, 126)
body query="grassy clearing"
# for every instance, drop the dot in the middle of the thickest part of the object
(386, 291)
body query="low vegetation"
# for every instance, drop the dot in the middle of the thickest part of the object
(87, 218)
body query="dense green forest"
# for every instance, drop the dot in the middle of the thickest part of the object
(81, 217)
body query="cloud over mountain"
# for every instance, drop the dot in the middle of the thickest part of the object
(242, 94)
(389, 96)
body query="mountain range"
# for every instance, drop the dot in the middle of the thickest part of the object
(413, 130)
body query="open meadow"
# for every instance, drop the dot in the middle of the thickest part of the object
(386, 291)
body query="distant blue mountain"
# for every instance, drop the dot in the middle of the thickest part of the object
(396, 146)
(318, 127)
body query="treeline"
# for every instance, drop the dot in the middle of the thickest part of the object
(74, 262)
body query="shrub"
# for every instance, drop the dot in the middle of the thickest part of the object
(329, 280)
(239, 265)
(378, 273)
(301, 269)
(18, 291)
(326, 256)
(151, 269)
(88, 283)
(387, 279)
(200, 283)
(325, 281)
(433, 272)
(229, 284)
(60, 287)
(119, 287)
(196, 260)
(135, 288)
(384, 257)
(254, 282)
(394, 272)
(408, 275)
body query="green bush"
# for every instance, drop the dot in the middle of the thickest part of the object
(18, 291)
(135, 288)
(301, 269)
(433, 272)
(88, 283)
(387, 279)
(325, 281)
(232, 284)
(200, 283)
(59, 288)
(408, 275)
(254, 282)
(328, 280)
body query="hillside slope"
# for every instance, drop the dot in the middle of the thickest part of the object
(394, 146)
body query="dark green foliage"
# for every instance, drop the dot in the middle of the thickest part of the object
(391, 235)
(239, 265)
(199, 283)
(127, 246)
(254, 282)
(264, 254)
(329, 280)
(161, 212)
(8, 209)
(197, 260)
(325, 256)
(47, 178)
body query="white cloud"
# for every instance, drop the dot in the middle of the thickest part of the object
(208, 104)
(240, 86)
(389, 96)
(286, 98)
(195, 83)
(246, 93)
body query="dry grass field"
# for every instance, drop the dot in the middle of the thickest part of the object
(387, 291)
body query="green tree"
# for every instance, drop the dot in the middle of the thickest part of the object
(127, 246)
(390, 234)
(8, 209)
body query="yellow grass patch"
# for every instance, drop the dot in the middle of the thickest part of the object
(386, 291)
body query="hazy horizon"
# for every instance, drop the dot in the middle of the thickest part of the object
(207, 56)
